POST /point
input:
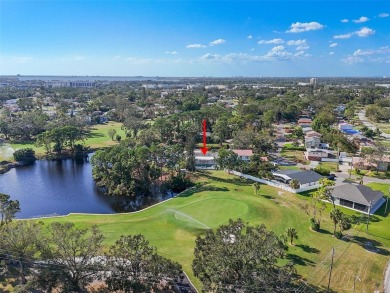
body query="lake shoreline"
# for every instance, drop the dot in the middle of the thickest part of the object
(6, 166)
(97, 214)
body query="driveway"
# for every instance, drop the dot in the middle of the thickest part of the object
(364, 120)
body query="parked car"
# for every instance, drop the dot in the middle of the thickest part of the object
(331, 176)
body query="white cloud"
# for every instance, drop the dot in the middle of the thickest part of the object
(117, 57)
(302, 47)
(209, 56)
(217, 42)
(333, 45)
(345, 20)
(345, 36)
(299, 27)
(361, 19)
(331, 53)
(252, 49)
(383, 15)
(136, 60)
(196, 46)
(171, 52)
(381, 55)
(278, 53)
(250, 37)
(296, 42)
(352, 59)
(273, 41)
(365, 32)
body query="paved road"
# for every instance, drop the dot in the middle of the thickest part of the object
(367, 123)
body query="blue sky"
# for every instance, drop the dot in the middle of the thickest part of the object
(195, 38)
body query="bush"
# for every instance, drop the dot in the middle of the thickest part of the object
(179, 183)
(321, 170)
(25, 156)
(314, 225)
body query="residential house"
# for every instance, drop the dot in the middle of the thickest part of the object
(358, 197)
(381, 164)
(345, 126)
(304, 122)
(307, 179)
(205, 161)
(312, 133)
(244, 155)
(312, 142)
(315, 154)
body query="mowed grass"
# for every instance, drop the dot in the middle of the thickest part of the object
(97, 138)
(172, 227)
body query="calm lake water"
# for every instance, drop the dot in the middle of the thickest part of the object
(59, 188)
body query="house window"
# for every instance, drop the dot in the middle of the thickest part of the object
(361, 207)
(346, 203)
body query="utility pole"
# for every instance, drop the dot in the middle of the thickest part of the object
(330, 273)
(368, 218)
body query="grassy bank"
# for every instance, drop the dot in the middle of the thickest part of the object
(173, 226)
(97, 138)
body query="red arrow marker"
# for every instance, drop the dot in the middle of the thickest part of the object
(204, 149)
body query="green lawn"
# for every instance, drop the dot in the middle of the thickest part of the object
(297, 156)
(98, 138)
(173, 226)
(368, 173)
(331, 166)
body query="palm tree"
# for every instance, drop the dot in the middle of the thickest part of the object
(292, 234)
(325, 191)
(336, 215)
(256, 187)
(294, 184)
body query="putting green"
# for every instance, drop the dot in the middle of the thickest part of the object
(206, 213)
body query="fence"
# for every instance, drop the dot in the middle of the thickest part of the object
(329, 160)
(273, 183)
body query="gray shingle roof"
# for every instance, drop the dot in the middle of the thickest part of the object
(357, 193)
(302, 177)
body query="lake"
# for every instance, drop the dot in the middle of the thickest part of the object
(49, 188)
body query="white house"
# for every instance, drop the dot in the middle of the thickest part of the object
(205, 161)
(315, 154)
(307, 179)
(244, 155)
(312, 142)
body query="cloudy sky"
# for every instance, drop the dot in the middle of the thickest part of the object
(195, 38)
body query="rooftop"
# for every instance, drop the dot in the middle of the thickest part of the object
(357, 193)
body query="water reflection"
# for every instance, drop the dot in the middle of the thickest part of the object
(62, 187)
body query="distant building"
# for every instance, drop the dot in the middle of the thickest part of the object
(244, 155)
(363, 164)
(315, 154)
(205, 161)
(345, 126)
(312, 142)
(304, 122)
(313, 81)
